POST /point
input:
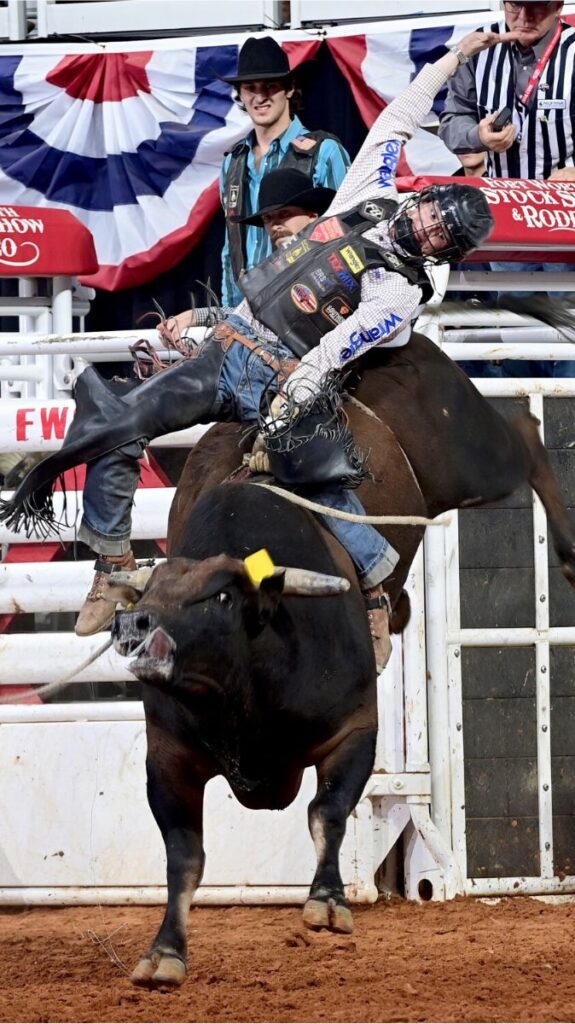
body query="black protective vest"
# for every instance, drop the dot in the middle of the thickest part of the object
(300, 155)
(306, 289)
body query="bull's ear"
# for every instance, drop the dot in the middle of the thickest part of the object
(266, 600)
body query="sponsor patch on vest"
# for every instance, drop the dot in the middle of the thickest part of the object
(371, 210)
(359, 338)
(327, 230)
(336, 310)
(304, 143)
(234, 194)
(352, 259)
(342, 272)
(389, 158)
(322, 280)
(292, 255)
(304, 298)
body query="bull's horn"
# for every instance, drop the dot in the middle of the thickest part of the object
(308, 583)
(136, 578)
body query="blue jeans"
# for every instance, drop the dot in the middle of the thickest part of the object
(525, 367)
(244, 377)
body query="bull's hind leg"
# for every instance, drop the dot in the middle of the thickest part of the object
(341, 777)
(179, 817)
(544, 483)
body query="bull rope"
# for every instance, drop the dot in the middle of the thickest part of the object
(353, 517)
(364, 408)
(49, 688)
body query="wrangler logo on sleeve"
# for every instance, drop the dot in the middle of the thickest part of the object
(359, 338)
(389, 159)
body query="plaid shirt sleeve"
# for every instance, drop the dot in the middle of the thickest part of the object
(372, 173)
(388, 302)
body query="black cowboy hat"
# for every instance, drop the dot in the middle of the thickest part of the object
(288, 188)
(261, 59)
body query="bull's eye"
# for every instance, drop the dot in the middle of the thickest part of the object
(224, 598)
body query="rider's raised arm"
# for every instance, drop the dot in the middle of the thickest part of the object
(372, 173)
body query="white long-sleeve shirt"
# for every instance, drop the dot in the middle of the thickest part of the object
(388, 302)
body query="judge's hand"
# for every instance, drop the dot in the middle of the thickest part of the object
(497, 142)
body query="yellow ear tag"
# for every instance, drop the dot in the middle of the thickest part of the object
(258, 566)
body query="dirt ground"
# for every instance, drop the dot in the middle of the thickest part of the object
(512, 960)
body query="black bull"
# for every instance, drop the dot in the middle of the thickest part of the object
(255, 686)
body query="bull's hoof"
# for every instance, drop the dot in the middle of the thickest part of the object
(328, 914)
(157, 969)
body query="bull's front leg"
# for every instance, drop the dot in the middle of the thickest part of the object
(179, 817)
(341, 776)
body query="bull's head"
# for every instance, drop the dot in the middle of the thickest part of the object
(184, 605)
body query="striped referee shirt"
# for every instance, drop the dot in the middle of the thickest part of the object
(497, 78)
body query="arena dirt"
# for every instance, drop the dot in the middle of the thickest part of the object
(459, 961)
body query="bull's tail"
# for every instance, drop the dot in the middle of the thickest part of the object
(553, 312)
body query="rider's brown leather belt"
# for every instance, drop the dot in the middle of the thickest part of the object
(226, 335)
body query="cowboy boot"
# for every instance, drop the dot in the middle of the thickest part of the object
(378, 612)
(97, 612)
(105, 420)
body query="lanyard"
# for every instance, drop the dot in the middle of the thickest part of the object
(541, 65)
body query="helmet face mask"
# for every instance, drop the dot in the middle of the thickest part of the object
(414, 229)
(441, 223)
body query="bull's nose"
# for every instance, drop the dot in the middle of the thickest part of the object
(130, 630)
(142, 622)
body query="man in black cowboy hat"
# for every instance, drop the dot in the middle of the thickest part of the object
(266, 88)
(335, 286)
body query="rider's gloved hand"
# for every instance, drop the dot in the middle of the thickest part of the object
(258, 460)
(282, 412)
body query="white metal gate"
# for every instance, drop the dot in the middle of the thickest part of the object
(446, 640)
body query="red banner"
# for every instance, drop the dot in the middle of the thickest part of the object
(534, 220)
(40, 242)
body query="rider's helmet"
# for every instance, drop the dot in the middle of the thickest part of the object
(463, 212)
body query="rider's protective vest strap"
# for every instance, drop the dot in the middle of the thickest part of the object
(302, 154)
(313, 284)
